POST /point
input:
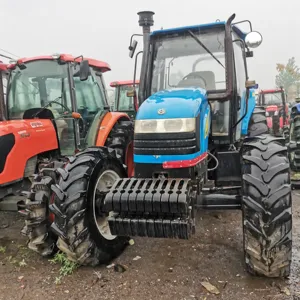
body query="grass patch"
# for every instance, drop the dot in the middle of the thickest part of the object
(67, 267)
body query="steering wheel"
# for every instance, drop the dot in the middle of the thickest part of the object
(49, 104)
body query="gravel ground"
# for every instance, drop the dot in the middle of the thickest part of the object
(165, 269)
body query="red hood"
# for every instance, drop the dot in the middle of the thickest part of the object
(272, 108)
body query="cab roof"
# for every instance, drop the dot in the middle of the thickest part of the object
(3, 66)
(272, 91)
(103, 66)
(240, 33)
(126, 82)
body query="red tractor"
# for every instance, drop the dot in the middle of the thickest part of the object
(276, 110)
(125, 101)
(56, 106)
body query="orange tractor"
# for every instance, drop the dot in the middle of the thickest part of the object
(56, 106)
(124, 101)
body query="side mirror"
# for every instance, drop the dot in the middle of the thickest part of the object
(131, 93)
(253, 39)
(251, 84)
(132, 48)
(84, 70)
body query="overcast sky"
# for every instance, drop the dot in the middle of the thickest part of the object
(101, 29)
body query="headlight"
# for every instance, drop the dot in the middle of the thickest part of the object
(267, 114)
(276, 113)
(165, 125)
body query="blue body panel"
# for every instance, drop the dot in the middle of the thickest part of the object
(297, 106)
(251, 106)
(178, 103)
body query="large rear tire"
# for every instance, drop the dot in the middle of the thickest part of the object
(38, 219)
(258, 123)
(83, 230)
(267, 207)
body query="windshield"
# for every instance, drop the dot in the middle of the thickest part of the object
(181, 61)
(273, 99)
(126, 103)
(45, 80)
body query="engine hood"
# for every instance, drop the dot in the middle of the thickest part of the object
(175, 103)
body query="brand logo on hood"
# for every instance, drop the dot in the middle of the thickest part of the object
(161, 111)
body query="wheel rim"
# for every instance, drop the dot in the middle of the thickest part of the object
(104, 183)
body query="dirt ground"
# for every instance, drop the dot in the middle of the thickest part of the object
(166, 269)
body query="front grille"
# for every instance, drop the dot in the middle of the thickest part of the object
(165, 143)
(271, 113)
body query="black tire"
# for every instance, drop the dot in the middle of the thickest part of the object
(258, 123)
(296, 162)
(79, 237)
(267, 207)
(120, 137)
(286, 134)
(37, 221)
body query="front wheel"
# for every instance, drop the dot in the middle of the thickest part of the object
(267, 207)
(83, 230)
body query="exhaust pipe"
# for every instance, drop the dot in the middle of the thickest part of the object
(145, 21)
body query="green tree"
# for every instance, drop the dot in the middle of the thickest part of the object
(288, 74)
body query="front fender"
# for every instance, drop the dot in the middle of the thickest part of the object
(108, 122)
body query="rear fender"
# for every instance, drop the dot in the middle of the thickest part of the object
(108, 122)
(31, 137)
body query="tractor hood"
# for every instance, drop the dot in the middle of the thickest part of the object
(270, 108)
(175, 103)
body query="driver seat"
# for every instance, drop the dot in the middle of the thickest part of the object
(194, 79)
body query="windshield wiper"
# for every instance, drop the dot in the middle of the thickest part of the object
(204, 47)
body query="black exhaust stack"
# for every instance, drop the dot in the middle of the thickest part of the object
(145, 21)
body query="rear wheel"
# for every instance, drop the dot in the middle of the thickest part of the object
(267, 207)
(258, 123)
(38, 219)
(82, 228)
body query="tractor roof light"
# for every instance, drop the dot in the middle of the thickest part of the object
(56, 56)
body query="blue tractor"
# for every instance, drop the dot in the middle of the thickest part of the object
(294, 144)
(199, 143)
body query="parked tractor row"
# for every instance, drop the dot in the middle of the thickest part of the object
(92, 179)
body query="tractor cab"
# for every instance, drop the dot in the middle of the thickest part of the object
(3, 85)
(67, 90)
(182, 66)
(277, 110)
(125, 99)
